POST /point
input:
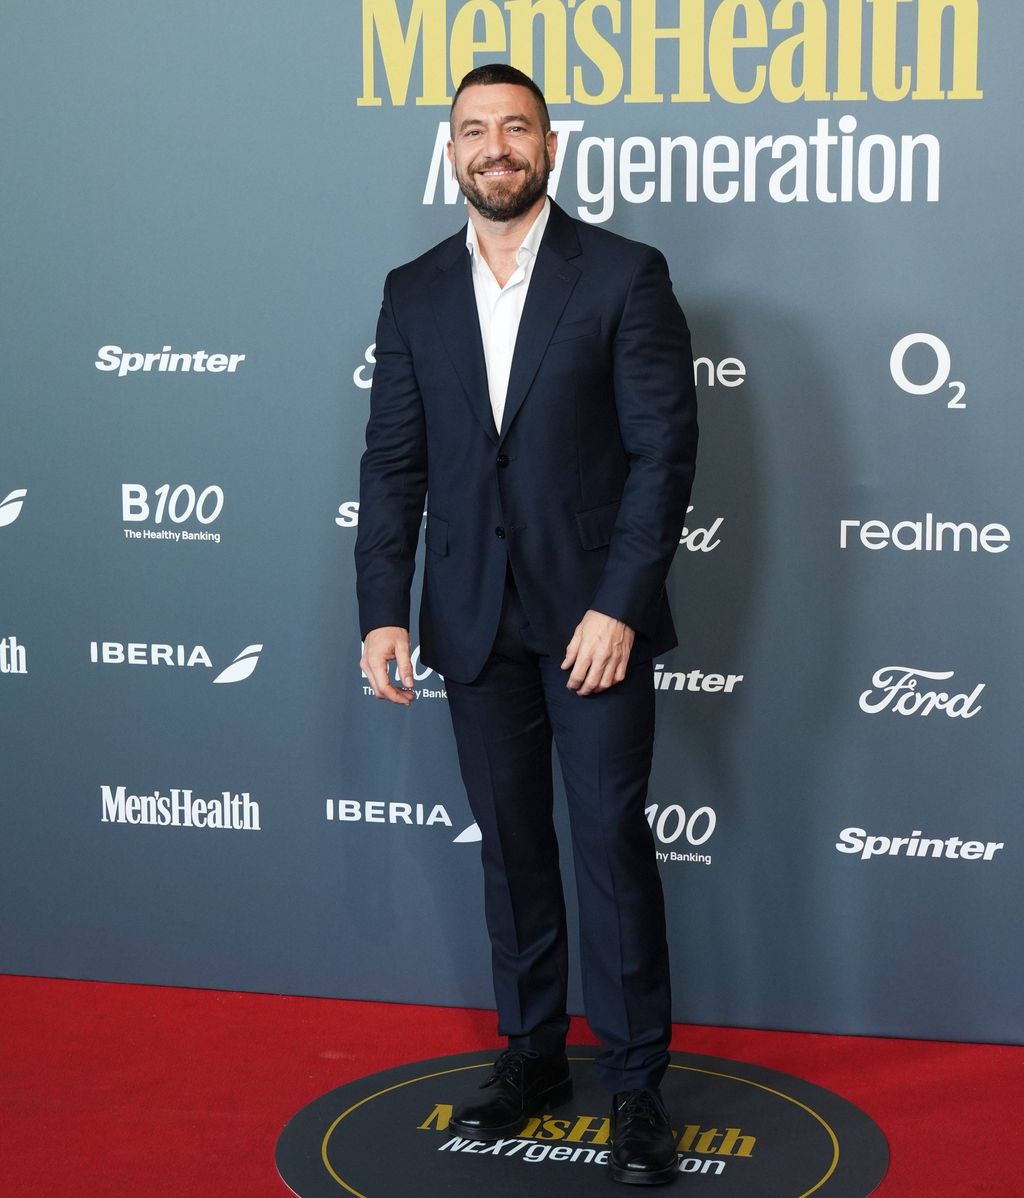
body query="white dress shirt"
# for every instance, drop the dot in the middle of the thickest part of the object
(501, 308)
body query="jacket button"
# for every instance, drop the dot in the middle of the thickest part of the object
(499, 532)
(502, 459)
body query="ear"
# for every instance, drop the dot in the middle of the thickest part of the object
(551, 145)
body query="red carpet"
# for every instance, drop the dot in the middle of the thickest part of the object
(148, 1092)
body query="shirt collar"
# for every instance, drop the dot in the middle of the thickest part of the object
(530, 243)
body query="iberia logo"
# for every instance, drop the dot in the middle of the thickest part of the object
(10, 507)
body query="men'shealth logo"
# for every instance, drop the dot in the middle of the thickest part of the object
(10, 506)
(180, 808)
(143, 653)
(595, 54)
(929, 368)
(13, 656)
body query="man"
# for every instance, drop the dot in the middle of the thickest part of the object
(534, 377)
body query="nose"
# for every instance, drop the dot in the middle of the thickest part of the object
(496, 141)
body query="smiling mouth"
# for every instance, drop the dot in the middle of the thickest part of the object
(498, 172)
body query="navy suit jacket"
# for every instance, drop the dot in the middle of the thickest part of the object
(585, 487)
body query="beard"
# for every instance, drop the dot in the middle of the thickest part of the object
(506, 200)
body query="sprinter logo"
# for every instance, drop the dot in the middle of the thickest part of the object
(952, 848)
(112, 359)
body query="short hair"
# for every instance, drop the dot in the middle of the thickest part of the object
(501, 72)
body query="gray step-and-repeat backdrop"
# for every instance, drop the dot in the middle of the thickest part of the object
(200, 202)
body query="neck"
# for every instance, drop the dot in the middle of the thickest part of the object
(501, 238)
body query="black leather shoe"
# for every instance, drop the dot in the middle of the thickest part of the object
(643, 1147)
(521, 1084)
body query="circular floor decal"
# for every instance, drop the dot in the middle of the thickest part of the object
(743, 1132)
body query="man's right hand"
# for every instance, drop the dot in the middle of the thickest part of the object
(384, 645)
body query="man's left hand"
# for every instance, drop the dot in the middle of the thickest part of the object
(598, 653)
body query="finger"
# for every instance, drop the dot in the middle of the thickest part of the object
(589, 667)
(580, 669)
(592, 682)
(571, 650)
(404, 663)
(395, 694)
(377, 672)
(380, 680)
(609, 676)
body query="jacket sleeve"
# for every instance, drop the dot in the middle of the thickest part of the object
(392, 481)
(656, 404)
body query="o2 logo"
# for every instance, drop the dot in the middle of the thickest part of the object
(671, 823)
(943, 368)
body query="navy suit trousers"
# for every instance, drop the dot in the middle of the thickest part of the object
(504, 722)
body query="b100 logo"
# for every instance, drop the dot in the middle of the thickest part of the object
(178, 505)
(671, 824)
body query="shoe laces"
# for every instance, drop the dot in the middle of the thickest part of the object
(510, 1067)
(640, 1104)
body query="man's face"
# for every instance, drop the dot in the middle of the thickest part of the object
(499, 150)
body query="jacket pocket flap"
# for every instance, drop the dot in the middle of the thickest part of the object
(596, 524)
(436, 536)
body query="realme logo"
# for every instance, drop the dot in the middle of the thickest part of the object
(928, 535)
(685, 52)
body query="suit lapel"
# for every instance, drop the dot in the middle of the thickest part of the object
(459, 328)
(454, 302)
(554, 278)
